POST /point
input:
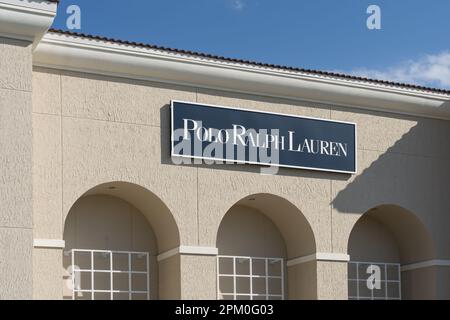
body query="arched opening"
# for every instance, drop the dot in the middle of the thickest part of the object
(113, 234)
(383, 242)
(256, 238)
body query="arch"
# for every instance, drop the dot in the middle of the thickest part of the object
(289, 220)
(150, 205)
(392, 236)
(267, 226)
(123, 227)
(409, 234)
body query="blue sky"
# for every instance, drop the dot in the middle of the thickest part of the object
(412, 46)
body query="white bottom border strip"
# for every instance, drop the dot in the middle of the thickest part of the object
(425, 264)
(319, 256)
(49, 243)
(189, 250)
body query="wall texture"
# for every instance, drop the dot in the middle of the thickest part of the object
(91, 129)
(16, 150)
(247, 232)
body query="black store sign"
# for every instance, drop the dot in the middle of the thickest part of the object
(264, 138)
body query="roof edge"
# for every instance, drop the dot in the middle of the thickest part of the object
(26, 20)
(78, 52)
(255, 63)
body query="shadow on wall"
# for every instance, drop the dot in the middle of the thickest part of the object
(390, 234)
(400, 162)
(401, 197)
(15, 42)
(445, 106)
(407, 174)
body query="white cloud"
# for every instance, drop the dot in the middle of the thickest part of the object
(430, 70)
(238, 4)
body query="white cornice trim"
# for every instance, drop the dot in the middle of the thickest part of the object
(26, 20)
(319, 256)
(188, 250)
(67, 52)
(426, 264)
(49, 243)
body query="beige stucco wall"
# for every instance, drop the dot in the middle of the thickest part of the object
(402, 160)
(421, 284)
(331, 280)
(16, 147)
(247, 232)
(198, 277)
(302, 282)
(48, 274)
(442, 282)
(108, 223)
(170, 278)
(91, 129)
(373, 241)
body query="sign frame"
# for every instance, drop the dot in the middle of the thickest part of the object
(172, 142)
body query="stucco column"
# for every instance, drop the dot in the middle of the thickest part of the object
(189, 273)
(443, 280)
(21, 24)
(320, 276)
(302, 280)
(428, 279)
(16, 216)
(332, 280)
(198, 277)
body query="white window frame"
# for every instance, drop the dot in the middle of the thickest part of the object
(251, 276)
(111, 271)
(385, 281)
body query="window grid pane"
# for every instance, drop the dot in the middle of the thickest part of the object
(374, 281)
(98, 278)
(250, 278)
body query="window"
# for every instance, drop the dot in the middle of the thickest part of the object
(250, 278)
(374, 281)
(109, 275)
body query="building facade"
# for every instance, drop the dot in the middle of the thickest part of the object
(93, 206)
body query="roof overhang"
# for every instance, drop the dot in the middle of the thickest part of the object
(26, 20)
(76, 53)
